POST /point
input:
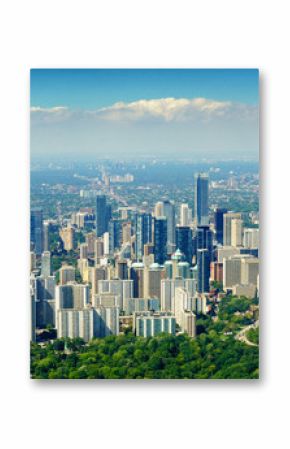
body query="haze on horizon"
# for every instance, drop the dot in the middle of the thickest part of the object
(187, 113)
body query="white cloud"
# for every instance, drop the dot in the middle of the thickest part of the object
(162, 109)
(167, 109)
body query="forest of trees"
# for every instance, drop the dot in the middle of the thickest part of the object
(213, 354)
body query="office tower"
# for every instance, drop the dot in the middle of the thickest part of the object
(201, 199)
(84, 250)
(204, 239)
(90, 241)
(106, 240)
(126, 232)
(184, 219)
(68, 238)
(203, 270)
(169, 214)
(137, 276)
(44, 287)
(236, 232)
(249, 271)
(36, 230)
(251, 238)
(115, 235)
(122, 288)
(160, 240)
(32, 260)
(150, 324)
(46, 232)
(227, 227)
(106, 321)
(219, 224)
(97, 274)
(102, 215)
(45, 264)
(83, 266)
(152, 280)
(143, 233)
(184, 241)
(122, 269)
(67, 273)
(168, 287)
(71, 296)
(158, 210)
(185, 318)
(99, 250)
(231, 271)
(216, 271)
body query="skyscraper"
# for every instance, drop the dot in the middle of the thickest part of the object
(201, 199)
(45, 264)
(36, 229)
(219, 224)
(184, 241)
(227, 227)
(102, 215)
(169, 213)
(204, 239)
(203, 270)
(236, 232)
(143, 233)
(184, 215)
(160, 240)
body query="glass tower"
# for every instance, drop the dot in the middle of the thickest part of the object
(201, 199)
(160, 240)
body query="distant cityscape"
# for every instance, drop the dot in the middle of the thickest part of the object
(115, 249)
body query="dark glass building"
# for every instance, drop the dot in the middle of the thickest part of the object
(102, 215)
(36, 229)
(160, 240)
(219, 224)
(204, 239)
(169, 214)
(203, 270)
(201, 199)
(143, 233)
(115, 235)
(184, 242)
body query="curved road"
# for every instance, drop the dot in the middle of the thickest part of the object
(242, 334)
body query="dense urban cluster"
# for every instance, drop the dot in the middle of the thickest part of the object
(168, 290)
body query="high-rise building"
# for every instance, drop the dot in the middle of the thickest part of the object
(98, 273)
(99, 250)
(67, 273)
(36, 229)
(72, 296)
(184, 241)
(237, 232)
(115, 235)
(158, 210)
(137, 276)
(169, 213)
(46, 233)
(90, 241)
(44, 288)
(227, 227)
(204, 239)
(122, 288)
(184, 215)
(45, 264)
(160, 240)
(122, 269)
(152, 280)
(251, 238)
(126, 232)
(203, 270)
(68, 238)
(143, 233)
(84, 251)
(150, 324)
(185, 318)
(88, 323)
(201, 199)
(219, 224)
(168, 287)
(102, 215)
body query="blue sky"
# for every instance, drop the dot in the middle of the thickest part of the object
(201, 113)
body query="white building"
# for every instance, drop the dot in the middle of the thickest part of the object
(149, 324)
(72, 296)
(121, 287)
(168, 287)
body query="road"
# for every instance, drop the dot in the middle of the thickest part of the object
(241, 336)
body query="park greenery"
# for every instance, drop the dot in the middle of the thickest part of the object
(213, 354)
